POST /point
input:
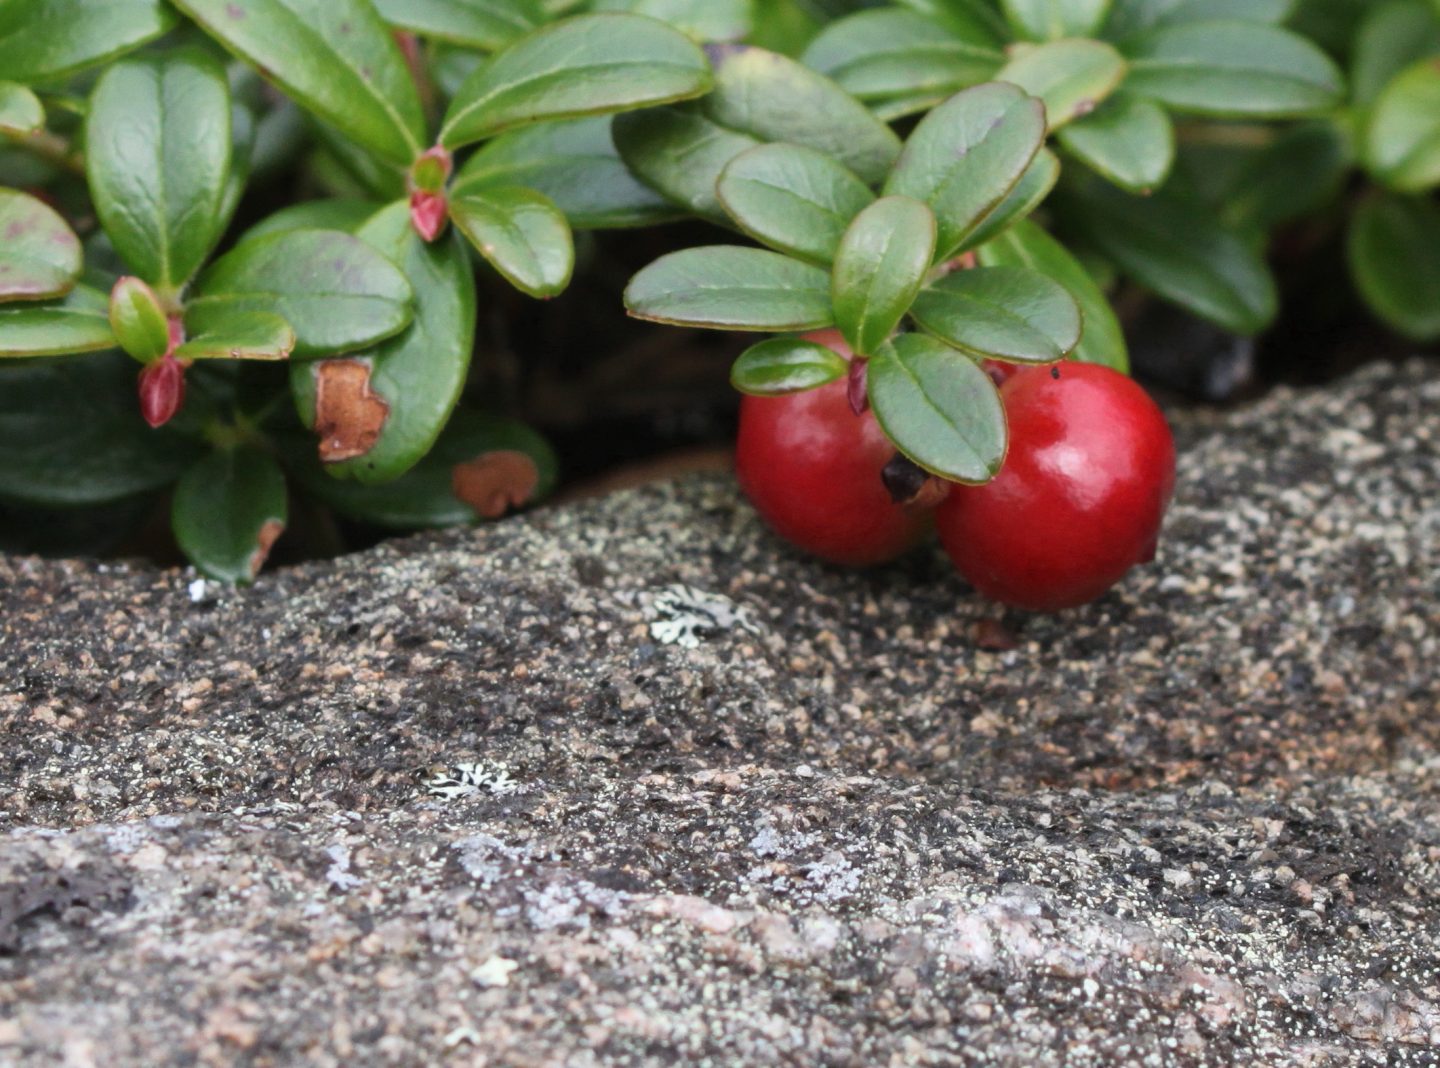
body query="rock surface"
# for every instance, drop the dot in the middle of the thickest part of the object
(1197, 823)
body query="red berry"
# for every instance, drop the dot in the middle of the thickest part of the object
(1081, 496)
(812, 467)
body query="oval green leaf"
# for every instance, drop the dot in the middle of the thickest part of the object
(39, 254)
(157, 154)
(1392, 36)
(1402, 138)
(967, 155)
(576, 165)
(587, 65)
(335, 213)
(1049, 20)
(1026, 244)
(703, 20)
(786, 365)
(228, 510)
(1128, 141)
(794, 199)
(731, 288)
(1394, 252)
(21, 112)
(239, 335)
(1233, 70)
(335, 57)
(879, 267)
(1029, 193)
(1071, 78)
(521, 233)
(1130, 17)
(79, 322)
(1002, 313)
(45, 40)
(680, 154)
(138, 320)
(482, 24)
(939, 408)
(335, 291)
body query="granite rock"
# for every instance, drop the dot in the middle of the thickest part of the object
(480, 798)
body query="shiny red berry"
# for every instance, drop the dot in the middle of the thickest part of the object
(1080, 498)
(812, 468)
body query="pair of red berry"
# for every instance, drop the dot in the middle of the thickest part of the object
(1078, 502)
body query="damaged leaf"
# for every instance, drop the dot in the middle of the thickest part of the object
(39, 253)
(349, 414)
(495, 482)
(229, 509)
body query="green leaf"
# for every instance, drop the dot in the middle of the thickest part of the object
(1002, 313)
(39, 253)
(588, 65)
(336, 213)
(1130, 17)
(1233, 69)
(157, 154)
(1026, 244)
(967, 155)
(1402, 139)
(731, 288)
(1070, 77)
(71, 432)
(889, 55)
(228, 510)
(1301, 171)
(786, 365)
(939, 408)
(335, 291)
(138, 320)
(576, 165)
(79, 322)
(1032, 189)
(46, 40)
(879, 267)
(336, 57)
(1394, 250)
(796, 200)
(774, 98)
(1180, 251)
(1128, 141)
(976, 20)
(483, 24)
(229, 334)
(679, 153)
(1049, 20)
(703, 20)
(1393, 36)
(425, 496)
(418, 374)
(21, 112)
(521, 233)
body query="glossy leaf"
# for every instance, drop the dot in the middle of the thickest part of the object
(335, 291)
(138, 321)
(1032, 189)
(786, 365)
(336, 213)
(521, 233)
(1394, 250)
(1180, 251)
(222, 333)
(21, 112)
(1402, 139)
(1049, 20)
(879, 267)
(336, 57)
(39, 253)
(774, 98)
(703, 20)
(888, 55)
(1003, 313)
(1393, 36)
(576, 165)
(228, 510)
(45, 40)
(1128, 141)
(939, 408)
(587, 65)
(1233, 69)
(1130, 17)
(1026, 244)
(71, 432)
(679, 153)
(157, 154)
(796, 200)
(731, 288)
(483, 24)
(78, 322)
(966, 156)
(1072, 77)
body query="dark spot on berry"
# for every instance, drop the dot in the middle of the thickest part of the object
(1055, 373)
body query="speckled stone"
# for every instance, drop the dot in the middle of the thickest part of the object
(1196, 823)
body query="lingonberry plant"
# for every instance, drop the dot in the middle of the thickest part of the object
(946, 182)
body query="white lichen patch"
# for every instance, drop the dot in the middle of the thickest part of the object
(682, 615)
(468, 780)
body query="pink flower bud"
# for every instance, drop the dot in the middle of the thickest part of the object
(162, 390)
(428, 212)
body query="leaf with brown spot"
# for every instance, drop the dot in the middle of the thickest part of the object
(228, 511)
(495, 482)
(349, 415)
(270, 532)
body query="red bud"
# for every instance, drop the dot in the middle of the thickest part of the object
(162, 390)
(856, 386)
(428, 212)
